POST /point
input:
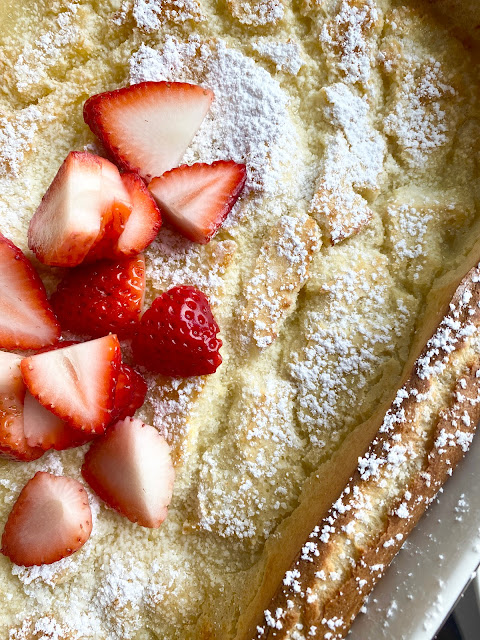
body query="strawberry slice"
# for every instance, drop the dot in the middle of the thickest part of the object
(44, 429)
(26, 318)
(116, 210)
(85, 198)
(196, 199)
(129, 394)
(50, 520)
(104, 297)
(130, 468)
(13, 443)
(145, 220)
(177, 336)
(147, 127)
(68, 221)
(76, 383)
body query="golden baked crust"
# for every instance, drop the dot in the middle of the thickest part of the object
(359, 123)
(420, 441)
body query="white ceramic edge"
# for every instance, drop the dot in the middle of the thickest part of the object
(430, 572)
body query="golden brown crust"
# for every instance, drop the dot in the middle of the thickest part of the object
(423, 436)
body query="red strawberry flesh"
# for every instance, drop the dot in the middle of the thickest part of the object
(147, 127)
(50, 520)
(196, 199)
(145, 220)
(177, 336)
(129, 393)
(116, 208)
(13, 444)
(85, 206)
(76, 383)
(26, 318)
(44, 429)
(104, 297)
(130, 469)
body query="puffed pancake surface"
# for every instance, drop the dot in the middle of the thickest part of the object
(344, 282)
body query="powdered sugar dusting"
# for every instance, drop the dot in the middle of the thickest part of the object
(257, 12)
(353, 161)
(280, 271)
(248, 121)
(347, 37)
(243, 494)
(149, 14)
(285, 55)
(418, 120)
(173, 260)
(345, 350)
(16, 137)
(33, 64)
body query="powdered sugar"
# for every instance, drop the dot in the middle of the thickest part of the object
(353, 161)
(285, 55)
(349, 34)
(172, 260)
(32, 65)
(16, 137)
(248, 121)
(257, 12)
(149, 14)
(244, 494)
(418, 120)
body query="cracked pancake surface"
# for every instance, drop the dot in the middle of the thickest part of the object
(359, 123)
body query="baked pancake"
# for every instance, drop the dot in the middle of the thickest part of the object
(354, 241)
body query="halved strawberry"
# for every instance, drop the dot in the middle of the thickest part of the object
(44, 429)
(26, 318)
(147, 127)
(13, 443)
(116, 211)
(145, 220)
(50, 520)
(68, 221)
(130, 468)
(80, 203)
(129, 393)
(177, 336)
(76, 383)
(196, 199)
(104, 297)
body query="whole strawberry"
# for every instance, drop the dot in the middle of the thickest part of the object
(103, 297)
(177, 336)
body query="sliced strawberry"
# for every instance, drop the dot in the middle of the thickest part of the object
(129, 394)
(85, 198)
(147, 127)
(104, 297)
(44, 429)
(68, 221)
(196, 199)
(26, 318)
(130, 468)
(76, 383)
(116, 210)
(145, 220)
(50, 520)
(177, 335)
(13, 444)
